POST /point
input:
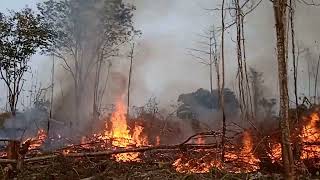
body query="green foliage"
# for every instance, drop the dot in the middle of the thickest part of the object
(203, 99)
(22, 34)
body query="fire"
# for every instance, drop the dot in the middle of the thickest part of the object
(201, 165)
(138, 137)
(157, 140)
(275, 153)
(120, 135)
(209, 159)
(310, 134)
(37, 141)
(245, 156)
(247, 150)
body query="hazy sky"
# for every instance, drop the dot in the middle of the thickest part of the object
(169, 27)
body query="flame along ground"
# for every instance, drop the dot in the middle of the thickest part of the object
(309, 134)
(212, 159)
(118, 134)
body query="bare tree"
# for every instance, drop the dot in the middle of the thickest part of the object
(51, 99)
(280, 14)
(129, 77)
(88, 33)
(208, 55)
(256, 83)
(294, 59)
(316, 81)
(238, 11)
(224, 126)
(104, 87)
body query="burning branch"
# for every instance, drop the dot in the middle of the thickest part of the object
(178, 147)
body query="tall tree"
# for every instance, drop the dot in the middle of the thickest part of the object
(89, 32)
(208, 55)
(257, 93)
(280, 14)
(221, 99)
(22, 34)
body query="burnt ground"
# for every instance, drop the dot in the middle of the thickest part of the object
(94, 169)
(85, 168)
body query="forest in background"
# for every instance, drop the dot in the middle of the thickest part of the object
(87, 111)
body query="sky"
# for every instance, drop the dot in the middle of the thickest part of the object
(17, 4)
(162, 65)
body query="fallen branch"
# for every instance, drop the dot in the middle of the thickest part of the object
(181, 146)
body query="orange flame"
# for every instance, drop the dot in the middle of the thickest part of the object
(247, 151)
(310, 134)
(37, 141)
(157, 140)
(275, 154)
(210, 159)
(120, 135)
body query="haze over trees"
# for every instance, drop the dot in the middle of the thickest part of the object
(88, 37)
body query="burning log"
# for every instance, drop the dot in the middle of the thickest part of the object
(179, 147)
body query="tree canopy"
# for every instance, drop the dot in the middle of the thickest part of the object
(22, 34)
(206, 100)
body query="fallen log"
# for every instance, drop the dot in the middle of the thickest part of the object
(8, 161)
(181, 146)
(111, 152)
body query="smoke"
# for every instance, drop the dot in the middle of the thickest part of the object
(169, 27)
(162, 67)
(24, 125)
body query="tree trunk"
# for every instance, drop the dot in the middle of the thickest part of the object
(280, 19)
(51, 101)
(129, 79)
(95, 110)
(255, 95)
(294, 61)
(210, 64)
(224, 128)
(316, 82)
(12, 100)
(102, 92)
